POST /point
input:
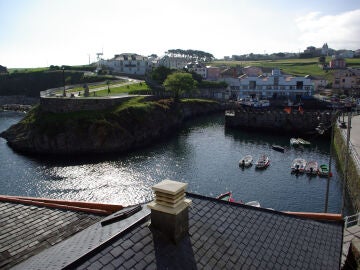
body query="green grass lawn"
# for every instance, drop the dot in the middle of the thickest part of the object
(124, 89)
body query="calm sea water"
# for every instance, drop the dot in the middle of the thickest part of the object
(202, 153)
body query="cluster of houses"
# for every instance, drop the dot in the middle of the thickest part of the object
(242, 81)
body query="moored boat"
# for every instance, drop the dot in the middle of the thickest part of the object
(298, 165)
(227, 196)
(246, 161)
(303, 142)
(312, 167)
(263, 162)
(278, 148)
(294, 142)
(324, 170)
(253, 203)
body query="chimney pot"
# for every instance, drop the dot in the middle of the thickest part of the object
(169, 210)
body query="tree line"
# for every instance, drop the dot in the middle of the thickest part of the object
(194, 55)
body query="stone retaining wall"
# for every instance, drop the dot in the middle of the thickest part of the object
(61, 105)
(278, 120)
(353, 182)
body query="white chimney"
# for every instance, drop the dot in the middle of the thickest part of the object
(169, 210)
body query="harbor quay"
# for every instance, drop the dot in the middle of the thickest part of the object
(272, 119)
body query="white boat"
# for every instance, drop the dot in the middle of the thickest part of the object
(294, 142)
(263, 162)
(312, 167)
(246, 161)
(253, 203)
(303, 142)
(298, 165)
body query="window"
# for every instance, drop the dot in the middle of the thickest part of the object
(299, 85)
(252, 85)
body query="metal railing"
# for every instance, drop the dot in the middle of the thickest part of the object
(352, 151)
(352, 220)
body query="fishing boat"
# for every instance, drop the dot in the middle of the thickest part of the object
(227, 196)
(324, 170)
(303, 142)
(294, 142)
(263, 162)
(312, 167)
(278, 148)
(298, 165)
(253, 203)
(246, 161)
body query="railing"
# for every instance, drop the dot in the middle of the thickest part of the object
(352, 151)
(352, 220)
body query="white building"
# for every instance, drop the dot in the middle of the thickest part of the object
(198, 69)
(128, 63)
(272, 86)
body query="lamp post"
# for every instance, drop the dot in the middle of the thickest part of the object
(333, 123)
(63, 75)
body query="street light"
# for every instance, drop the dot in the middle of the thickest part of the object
(63, 75)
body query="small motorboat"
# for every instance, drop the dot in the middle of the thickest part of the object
(246, 161)
(298, 165)
(312, 167)
(253, 203)
(278, 148)
(303, 142)
(294, 142)
(324, 170)
(263, 162)
(227, 196)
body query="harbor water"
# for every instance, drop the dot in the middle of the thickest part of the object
(203, 153)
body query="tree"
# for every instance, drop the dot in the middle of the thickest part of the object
(160, 74)
(180, 83)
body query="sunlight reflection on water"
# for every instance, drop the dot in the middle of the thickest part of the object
(203, 154)
(106, 182)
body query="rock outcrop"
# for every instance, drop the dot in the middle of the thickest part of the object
(109, 131)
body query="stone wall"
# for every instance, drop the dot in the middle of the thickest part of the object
(278, 120)
(61, 105)
(352, 183)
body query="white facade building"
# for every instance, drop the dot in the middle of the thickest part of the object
(198, 69)
(273, 86)
(128, 63)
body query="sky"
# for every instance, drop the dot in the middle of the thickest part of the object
(40, 33)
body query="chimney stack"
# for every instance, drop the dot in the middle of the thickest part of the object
(169, 210)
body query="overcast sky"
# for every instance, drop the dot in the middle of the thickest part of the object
(37, 33)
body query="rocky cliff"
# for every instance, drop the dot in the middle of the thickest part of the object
(120, 129)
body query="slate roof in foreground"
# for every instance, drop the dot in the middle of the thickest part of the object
(221, 235)
(26, 230)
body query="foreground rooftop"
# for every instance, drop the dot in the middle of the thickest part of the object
(221, 235)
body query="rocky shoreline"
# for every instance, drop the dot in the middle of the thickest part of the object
(121, 132)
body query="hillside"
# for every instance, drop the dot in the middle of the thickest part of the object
(297, 67)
